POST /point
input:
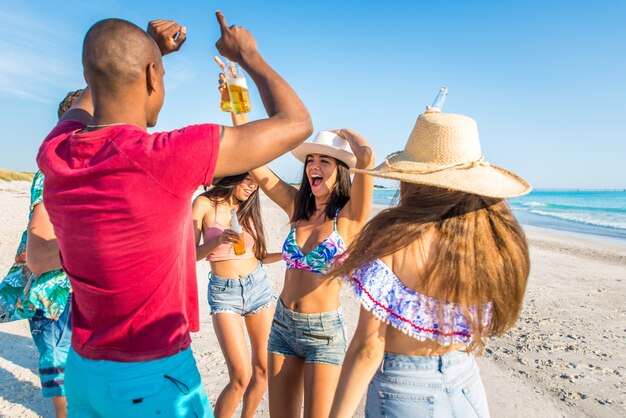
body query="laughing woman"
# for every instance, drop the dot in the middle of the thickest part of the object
(238, 287)
(307, 343)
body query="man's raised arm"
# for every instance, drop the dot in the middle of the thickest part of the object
(257, 143)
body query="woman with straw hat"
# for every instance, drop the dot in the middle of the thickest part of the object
(307, 342)
(435, 275)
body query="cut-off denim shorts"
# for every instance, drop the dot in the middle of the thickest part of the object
(317, 338)
(53, 339)
(427, 386)
(243, 296)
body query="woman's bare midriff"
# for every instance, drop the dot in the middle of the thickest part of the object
(234, 269)
(399, 343)
(306, 292)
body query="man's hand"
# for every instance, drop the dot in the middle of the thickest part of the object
(168, 35)
(288, 125)
(235, 41)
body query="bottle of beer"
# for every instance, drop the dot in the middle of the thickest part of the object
(237, 88)
(238, 247)
(439, 101)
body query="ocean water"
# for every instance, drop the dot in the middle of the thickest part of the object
(385, 197)
(597, 212)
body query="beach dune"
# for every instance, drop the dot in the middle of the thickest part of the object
(565, 357)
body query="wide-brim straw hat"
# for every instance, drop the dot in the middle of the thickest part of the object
(327, 143)
(444, 151)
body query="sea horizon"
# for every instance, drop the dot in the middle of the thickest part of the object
(598, 212)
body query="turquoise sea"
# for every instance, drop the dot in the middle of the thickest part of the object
(385, 197)
(597, 212)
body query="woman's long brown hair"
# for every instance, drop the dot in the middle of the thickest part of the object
(481, 253)
(248, 213)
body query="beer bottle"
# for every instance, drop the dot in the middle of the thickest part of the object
(439, 101)
(237, 88)
(238, 247)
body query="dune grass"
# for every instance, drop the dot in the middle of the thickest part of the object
(10, 175)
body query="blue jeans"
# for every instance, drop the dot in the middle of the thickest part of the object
(427, 386)
(53, 339)
(316, 337)
(167, 387)
(244, 296)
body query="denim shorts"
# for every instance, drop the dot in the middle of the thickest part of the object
(317, 337)
(53, 339)
(427, 386)
(244, 296)
(167, 387)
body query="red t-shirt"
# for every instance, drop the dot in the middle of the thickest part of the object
(120, 203)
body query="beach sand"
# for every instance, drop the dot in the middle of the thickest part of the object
(565, 357)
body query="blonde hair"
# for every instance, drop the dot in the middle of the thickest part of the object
(481, 251)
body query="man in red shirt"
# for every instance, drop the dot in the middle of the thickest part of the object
(119, 199)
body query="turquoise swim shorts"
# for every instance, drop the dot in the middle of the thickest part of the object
(167, 387)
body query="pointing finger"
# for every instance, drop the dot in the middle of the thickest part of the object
(221, 20)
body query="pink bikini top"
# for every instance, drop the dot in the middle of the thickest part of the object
(225, 251)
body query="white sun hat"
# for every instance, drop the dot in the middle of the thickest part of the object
(444, 151)
(327, 143)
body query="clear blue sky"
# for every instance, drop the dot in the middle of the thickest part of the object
(546, 81)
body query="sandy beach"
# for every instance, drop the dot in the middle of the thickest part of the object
(566, 357)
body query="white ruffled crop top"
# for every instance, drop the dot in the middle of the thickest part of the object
(411, 312)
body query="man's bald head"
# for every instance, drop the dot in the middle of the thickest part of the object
(116, 54)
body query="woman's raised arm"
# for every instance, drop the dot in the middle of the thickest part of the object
(281, 193)
(360, 204)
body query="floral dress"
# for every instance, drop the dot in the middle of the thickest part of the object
(21, 292)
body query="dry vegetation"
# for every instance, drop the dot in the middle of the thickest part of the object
(10, 175)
